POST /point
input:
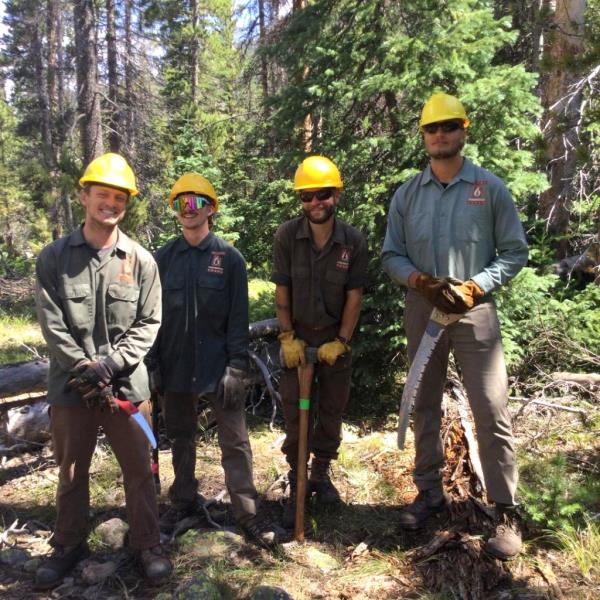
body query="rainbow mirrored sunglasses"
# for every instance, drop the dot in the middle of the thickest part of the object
(192, 201)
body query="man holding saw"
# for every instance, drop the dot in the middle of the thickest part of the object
(453, 237)
(319, 271)
(98, 302)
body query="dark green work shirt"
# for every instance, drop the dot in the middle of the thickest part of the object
(91, 306)
(205, 313)
(319, 279)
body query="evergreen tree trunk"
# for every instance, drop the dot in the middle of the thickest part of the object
(114, 139)
(88, 98)
(307, 123)
(129, 75)
(562, 101)
(194, 54)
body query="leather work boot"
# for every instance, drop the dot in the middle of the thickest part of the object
(174, 514)
(154, 564)
(320, 483)
(62, 560)
(262, 530)
(426, 504)
(289, 508)
(506, 542)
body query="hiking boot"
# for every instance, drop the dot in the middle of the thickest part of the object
(262, 530)
(62, 560)
(506, 542)
(176, 513)
(154, 564)
(320, 483)
(427, 503)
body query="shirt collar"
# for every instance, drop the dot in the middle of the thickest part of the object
(181, 245)
(304, 231)
(466, 173)
(123, 244)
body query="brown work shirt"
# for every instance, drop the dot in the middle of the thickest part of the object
(319, 279)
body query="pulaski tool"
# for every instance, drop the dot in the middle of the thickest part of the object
(438, 321)
(305, 379)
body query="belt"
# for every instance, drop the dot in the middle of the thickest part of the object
(312, 327)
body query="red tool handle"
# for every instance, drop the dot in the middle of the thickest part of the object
(126, 406)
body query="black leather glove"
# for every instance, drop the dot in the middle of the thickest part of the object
(103, 398)
(92, 374)
(232, 388)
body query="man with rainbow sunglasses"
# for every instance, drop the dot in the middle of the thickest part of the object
(202, 350)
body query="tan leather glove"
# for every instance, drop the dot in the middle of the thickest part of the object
(292, 350)
(331, 351)
(468, 293)
(438, 291)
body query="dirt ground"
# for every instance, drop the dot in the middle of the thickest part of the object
(353, 551)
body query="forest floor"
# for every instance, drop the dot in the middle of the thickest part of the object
(352, 551)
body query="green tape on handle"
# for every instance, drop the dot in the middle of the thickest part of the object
(304, 403)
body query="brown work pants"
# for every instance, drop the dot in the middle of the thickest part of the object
(74, 431)
(329, 397)
(181, 423)
(477, 346)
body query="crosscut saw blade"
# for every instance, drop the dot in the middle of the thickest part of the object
(438, 321)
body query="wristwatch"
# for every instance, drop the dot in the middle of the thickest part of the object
(343, 339)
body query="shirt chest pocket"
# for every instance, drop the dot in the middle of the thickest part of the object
(334, 290)
(77, 302)
(472, 224)
(212, 295)
(418, 228)
(173, 294)
(121, 304)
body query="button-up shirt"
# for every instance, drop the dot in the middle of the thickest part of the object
(469, 229)
(92, 305)
(205, 313)
(319, 279)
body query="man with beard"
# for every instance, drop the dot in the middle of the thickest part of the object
(202, 350)
(453, 237)
(320, 271)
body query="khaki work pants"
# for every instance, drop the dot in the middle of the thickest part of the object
(181, 423)
(74, 430)
(477, 346)
(329, 397)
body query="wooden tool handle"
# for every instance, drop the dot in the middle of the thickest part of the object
(305, 377)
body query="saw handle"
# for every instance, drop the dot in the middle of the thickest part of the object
(126, 406)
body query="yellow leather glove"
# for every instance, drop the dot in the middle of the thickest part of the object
(292, 350)
(331, 351)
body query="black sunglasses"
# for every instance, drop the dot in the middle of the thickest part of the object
(320, 195)
(445, 126)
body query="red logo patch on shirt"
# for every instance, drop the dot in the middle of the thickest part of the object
(478, 195)
(343, 261)
(216, 263)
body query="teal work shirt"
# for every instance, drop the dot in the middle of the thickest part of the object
(468, 230)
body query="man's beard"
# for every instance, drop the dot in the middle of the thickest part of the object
(450, 152)
(329, 211)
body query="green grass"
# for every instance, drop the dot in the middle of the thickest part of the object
(583, 547)
(261, 296)
(20, 338)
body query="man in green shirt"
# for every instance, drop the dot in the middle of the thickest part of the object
(454, 227)
(98, 303)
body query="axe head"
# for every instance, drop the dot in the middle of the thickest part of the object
(310, 354)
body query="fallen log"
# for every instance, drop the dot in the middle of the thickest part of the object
(23, 378)
(580, 378)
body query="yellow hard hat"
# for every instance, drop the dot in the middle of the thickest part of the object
(110, 169)
(317, 172)
(196, 184)
(443, 107)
